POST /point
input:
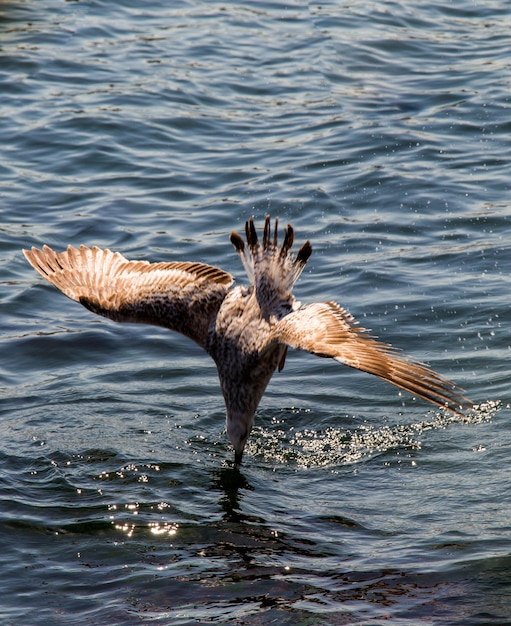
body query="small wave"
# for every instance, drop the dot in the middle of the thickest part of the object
(338, 446)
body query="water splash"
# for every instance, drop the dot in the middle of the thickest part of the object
(338, 446)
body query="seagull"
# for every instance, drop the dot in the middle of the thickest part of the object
(247, 330)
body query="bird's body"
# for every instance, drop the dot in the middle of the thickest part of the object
(246, 330)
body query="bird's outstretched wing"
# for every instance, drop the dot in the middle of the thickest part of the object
(328, 330)
(180, 296)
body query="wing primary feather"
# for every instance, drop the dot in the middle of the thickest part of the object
(266, 233)
(275, 239)
(237, 242)
(288, 241)
(251, 233)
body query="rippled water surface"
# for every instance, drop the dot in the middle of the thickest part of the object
(380, 130)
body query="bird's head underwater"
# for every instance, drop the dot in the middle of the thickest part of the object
(238, 432)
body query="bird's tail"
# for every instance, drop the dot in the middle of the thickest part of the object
(272, 270)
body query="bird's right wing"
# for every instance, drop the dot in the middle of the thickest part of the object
(183, 297)
(326, 329)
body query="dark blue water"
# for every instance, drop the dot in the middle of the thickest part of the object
(381, 131)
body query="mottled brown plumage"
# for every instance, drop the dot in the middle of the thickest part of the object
(246, 330)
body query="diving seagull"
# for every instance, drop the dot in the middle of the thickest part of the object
(246, 330)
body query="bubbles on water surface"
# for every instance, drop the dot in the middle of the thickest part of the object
(340, 446)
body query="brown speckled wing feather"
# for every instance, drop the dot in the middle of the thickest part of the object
(183, 297)
(328, 330)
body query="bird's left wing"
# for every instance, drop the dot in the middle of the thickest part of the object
(180, 296)
(326, 329)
